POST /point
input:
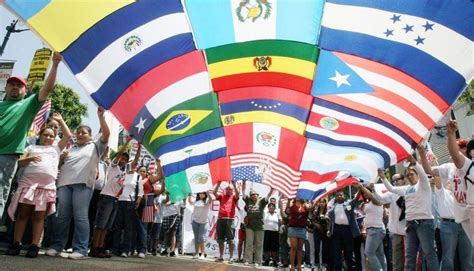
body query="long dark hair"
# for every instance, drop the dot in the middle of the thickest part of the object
(198, 198)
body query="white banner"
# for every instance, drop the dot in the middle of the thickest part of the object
(6, 69)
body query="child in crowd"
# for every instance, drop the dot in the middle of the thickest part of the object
(36, 194)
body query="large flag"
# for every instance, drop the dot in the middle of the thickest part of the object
(41, 117)
(324, 158)
(219, 22)
(266, 170)
(178, 187)
(266, 139)
(397, 98)
(175, 81)
(278, 106)
(313, 184)
(428, 40)
(197, 149)
(334, 124)
(193, 116)
(275, 63)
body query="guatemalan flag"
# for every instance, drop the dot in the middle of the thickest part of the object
(431, 41)
(219, 22)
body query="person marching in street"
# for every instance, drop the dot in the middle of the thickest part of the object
(201, 205)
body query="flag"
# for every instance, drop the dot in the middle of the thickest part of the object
(397, 98)
(190, 117)
(324, 158)
(266, 170)
(175, 81)
(41, 117)
(425, 40)
(219, 22)
(274, 63)
(203, 177)
(148, 215)
(266, 139)
(334, 124)
(75, 17)
(313, 184)
(278, 106)
(335, 186)
(197, 149)
(178, 187)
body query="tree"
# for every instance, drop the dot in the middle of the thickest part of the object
(467, 97)
(66, 102)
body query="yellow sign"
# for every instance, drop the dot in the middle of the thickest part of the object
(39, 65)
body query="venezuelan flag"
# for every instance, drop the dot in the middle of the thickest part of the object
(274, 63)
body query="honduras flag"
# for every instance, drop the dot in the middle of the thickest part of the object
(431, 40)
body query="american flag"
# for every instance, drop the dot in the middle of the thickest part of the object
(266, 170)
(41, 117)
(148, 215)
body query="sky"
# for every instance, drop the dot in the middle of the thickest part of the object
(21, 47)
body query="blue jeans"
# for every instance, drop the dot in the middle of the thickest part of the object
(374, 248)
(421, 232)
(141, 235)
(125, 222)
(452, 237)
(73, 201)
(8, 165)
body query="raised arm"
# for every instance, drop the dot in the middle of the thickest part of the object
(51, 79)
(367, 194)
(456, 156)
(159, 175)
(269, 193)
(397, 190)
(137, 156)
(424, 162)
(216, 189)
(424, 181)
(66, 132)
(104, 128)
(237, 192)
(121, 150)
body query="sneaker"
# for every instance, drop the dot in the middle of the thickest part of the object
(52, 252)
(32, 251)
(219, 260)
(164, 253)
(14, 250)
(246, 263)
(172, 254)
(195, 256)
(94, 252)
(104, 253)
(141, 255)
(201, 257)
(76, 256)
(256, 265)
(124, 255)
(231, 261)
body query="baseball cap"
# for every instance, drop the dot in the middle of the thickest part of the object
(17, 78)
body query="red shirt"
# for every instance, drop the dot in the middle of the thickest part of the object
(298, 216)
(227, 206)
(147, 186)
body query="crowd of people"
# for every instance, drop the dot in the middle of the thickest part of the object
(119, 207)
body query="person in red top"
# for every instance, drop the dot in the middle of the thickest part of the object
(228, 200)
(298, 212)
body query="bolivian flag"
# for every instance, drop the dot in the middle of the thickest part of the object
(275, 63)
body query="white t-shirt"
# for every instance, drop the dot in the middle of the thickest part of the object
(101, 176)
(115, 181)
(340, 215)
(171, 209)
(449, 172)
(373, 216)
(80, 165)
(270, 221)
(129, 186)
(446, 203)
(49, 160)
(417, 197)
(201, 212)
(394, 224)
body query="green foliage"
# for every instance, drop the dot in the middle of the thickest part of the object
(467, 97)
(65, 101)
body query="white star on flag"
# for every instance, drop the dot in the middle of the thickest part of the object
(340, 79)
(141, 124)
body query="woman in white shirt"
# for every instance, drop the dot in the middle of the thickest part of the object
(271, 225)
(420, 225)
(201, 205)
(375, 228)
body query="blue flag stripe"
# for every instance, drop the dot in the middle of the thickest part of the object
(455, 14)
(193, 161)
(191, 140)
(80, 53)
(283, 108)
(133, 69)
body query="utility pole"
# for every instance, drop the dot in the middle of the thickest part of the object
(10, 29)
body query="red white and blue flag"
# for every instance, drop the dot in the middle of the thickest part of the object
(148, 215)
(41, 117)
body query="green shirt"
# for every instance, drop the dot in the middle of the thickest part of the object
(255, 213)
(16, 118)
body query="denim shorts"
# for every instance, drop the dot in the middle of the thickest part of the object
(199, 231)
(106, 211)
(297, 232)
